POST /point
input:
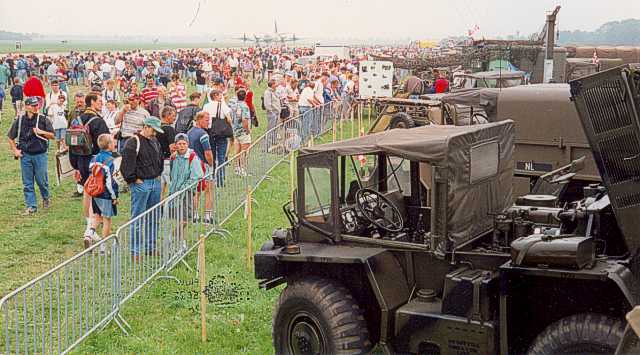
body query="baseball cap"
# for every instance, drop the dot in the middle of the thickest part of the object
(153, 122)
(31, 101)
(181, 137)
(133, 96)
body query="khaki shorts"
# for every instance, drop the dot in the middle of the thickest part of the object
(244, 139)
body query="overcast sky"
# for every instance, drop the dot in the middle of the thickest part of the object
(418, 19)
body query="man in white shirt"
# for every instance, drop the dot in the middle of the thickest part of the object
(217, 110)
(233, 63)
(320, 85)
(57, 116)
(52, 97)
(109, 113)
(120, 65)
(110, 92)
(212, 107)
(130, 118)
(106, 69)
(306, 103)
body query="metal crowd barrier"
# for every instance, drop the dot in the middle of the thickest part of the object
(57, 310)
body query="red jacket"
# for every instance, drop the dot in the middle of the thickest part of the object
(33, 87)
(249, 100)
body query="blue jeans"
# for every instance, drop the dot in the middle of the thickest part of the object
(305, 112)
(34, 167)
(143, 197)
(272, 120)
(219, 146)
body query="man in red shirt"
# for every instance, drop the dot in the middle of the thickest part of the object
(34, 87)
(149, 93)
(441, 85)
(177, 92)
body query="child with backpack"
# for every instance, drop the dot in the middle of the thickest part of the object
(17, 97)
(186, 170)
(102, 188)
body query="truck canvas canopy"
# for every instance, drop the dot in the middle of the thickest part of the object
(474, 161)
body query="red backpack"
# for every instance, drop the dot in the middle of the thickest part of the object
(203, 183)
(95, 184)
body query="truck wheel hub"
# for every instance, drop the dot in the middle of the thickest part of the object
(305, 337)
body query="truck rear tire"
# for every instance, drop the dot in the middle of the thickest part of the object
(401, 120)
(317, 316)
(587, 333)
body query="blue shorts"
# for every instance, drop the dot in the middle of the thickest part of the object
(104, 207)
(60, 133)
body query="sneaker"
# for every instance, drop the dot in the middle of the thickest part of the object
(77, 194)
(89, 233)
(87, 242)
(95, 237)
(46, 203)
(30, 211)
(103, 249)
(183, 247)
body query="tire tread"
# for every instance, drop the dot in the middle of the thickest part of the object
(343, 316)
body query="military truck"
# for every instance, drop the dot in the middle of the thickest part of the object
(444, 263)
(538, 151)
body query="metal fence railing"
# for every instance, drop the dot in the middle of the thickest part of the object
(57, 310)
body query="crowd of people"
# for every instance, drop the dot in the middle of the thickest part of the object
(132, 116)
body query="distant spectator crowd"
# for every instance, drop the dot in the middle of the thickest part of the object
(133, 123)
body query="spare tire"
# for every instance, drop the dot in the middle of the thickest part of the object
(587, 333)
(401, 120)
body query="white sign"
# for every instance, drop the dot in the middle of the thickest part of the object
(340, 52)
(376, 79)
(548, 70)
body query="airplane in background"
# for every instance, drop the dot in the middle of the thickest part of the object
(270, 38)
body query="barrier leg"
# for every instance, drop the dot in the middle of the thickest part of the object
(292, 176)
(203, 296)
(249, 230)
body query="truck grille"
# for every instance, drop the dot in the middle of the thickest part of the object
(607, 103)
(607, 107)
(620, 155)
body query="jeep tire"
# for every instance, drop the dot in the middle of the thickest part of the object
(318, 316)
(401, 120)
(587, 333)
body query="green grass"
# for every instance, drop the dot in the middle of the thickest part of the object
(164, 316)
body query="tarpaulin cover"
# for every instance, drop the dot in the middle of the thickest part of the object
(496, 74)
(607, 52)
(470, 204)
(485, 98)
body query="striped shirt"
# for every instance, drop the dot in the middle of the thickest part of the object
(149, 94)
(178, 95)
(133, 121)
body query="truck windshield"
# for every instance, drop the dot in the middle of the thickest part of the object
(317, 194)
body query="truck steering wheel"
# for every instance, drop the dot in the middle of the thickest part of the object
(375, 207)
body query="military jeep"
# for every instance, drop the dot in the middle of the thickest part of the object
(441, 262)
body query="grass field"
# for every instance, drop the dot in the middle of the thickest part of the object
(164, 316)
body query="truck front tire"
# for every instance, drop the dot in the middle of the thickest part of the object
(317, 316)
(587, 333)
